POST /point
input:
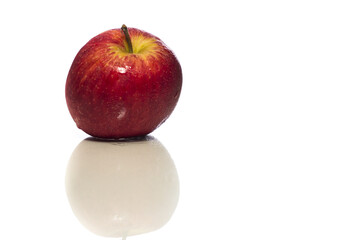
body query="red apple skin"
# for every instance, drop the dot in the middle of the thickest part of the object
(112, 94)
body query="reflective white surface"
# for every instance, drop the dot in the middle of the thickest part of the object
(122, 188)
(265, 137)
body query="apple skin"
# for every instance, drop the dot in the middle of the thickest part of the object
(112, 93)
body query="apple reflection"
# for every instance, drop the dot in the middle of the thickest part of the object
(122, 188)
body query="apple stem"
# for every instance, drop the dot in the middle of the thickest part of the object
(127, 37)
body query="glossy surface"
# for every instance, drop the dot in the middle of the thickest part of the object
(111, 93)
(120, 189)
(265, 137)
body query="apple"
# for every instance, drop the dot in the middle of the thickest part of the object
(123, 83)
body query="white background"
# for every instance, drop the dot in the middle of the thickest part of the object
(265, 137)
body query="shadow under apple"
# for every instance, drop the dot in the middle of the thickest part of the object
(122, 188)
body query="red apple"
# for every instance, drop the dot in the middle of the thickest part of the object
(123, 83)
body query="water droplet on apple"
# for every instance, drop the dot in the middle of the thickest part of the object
(122, 70)
(177, 94)
(121, 114)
